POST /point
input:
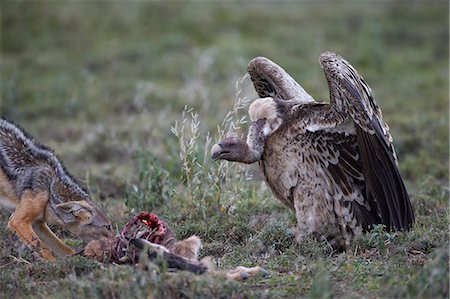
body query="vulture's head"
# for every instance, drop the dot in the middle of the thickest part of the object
(230, 149)
(265, 121)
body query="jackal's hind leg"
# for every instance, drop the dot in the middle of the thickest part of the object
(31, 206)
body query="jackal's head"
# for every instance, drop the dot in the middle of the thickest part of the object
(78, 213)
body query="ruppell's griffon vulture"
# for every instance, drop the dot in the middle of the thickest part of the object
(333, 163)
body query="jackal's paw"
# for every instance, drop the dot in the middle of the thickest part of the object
(47, 255)
(97, 249)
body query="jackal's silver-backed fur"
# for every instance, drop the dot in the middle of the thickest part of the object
(38, 190)
(333, 164)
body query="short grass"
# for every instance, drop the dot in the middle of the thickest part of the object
(130, 94)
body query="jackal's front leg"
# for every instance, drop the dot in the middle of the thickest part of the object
(31, 205)
(51, 240)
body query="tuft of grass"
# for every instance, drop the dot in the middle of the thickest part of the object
(277, 237)
(430, 282)
(154, 188)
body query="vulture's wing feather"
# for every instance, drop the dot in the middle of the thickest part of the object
(383, 180)
(348, 169)
(384, 187)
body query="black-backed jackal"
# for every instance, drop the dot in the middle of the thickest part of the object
(38, 190)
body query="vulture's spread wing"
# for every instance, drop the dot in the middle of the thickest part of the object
(270, 80)
(384, 188)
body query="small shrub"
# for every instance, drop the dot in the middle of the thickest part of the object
(211, 187)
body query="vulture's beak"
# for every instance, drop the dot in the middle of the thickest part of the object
(216, 150)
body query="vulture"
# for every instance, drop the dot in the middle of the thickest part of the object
(333, 164)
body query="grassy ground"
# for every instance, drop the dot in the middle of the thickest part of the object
(103, 83)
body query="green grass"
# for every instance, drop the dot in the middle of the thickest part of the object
(106, 83)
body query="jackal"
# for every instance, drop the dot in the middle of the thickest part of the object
(38, 190)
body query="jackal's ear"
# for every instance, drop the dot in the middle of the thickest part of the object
(75, 211)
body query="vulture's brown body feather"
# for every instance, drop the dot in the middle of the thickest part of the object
(333, 164)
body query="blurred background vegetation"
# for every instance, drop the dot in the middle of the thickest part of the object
(103, 83)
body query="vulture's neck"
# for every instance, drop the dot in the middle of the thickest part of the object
(254, 148)
(251, 153)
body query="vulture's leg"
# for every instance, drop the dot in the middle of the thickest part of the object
(306, 217)
(346, 236)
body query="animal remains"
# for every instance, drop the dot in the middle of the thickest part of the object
(38, 190)
(333, 163)
(146, 235)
